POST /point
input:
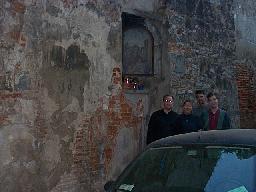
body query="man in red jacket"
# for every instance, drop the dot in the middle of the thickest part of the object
(215, 118)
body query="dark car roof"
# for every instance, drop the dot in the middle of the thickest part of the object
(217, 137)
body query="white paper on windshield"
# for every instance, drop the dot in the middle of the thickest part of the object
(192, 153)
(126, 187)
(239, 189)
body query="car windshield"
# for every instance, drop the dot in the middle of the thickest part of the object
(191, 169)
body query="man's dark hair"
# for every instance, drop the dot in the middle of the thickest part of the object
(199, 92)
(167, 95)
(186, 101)
(211, 94)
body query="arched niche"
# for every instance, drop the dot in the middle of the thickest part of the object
(142, 47)
(138, 52)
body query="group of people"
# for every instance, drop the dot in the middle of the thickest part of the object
(205, 116)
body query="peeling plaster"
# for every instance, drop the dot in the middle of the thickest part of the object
(51, 153)
(9, 135)
(49, 105)
(5, 155)
(64, 184)
(65, 73)
(27, 109)
(124, 151)
(95, 30)
(14, 57)
(73, 106)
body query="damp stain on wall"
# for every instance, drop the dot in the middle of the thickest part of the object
(65, 72)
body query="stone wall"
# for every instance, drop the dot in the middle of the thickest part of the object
(202, 51)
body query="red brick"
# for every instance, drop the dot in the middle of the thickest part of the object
(3, 119)
(10, 95)
(18, 7)
(18, 37)
(246, 92)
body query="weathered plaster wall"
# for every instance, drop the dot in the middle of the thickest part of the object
(66, 124)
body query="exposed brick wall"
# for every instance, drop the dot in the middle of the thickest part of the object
(18, 7)
(247, 96)
(7, 106)
(18, 37)
(95, 140)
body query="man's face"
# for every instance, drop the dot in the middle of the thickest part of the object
(213, 101)
(168, 103)
(187, 108)
(200, 99)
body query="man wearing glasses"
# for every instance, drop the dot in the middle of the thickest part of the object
(162, 122)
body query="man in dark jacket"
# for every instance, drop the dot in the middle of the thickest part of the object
(162, 122)
(187, 122)
(215, 118)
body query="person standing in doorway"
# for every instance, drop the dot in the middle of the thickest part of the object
(162, 122)
(201, 103)
(215, 118)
